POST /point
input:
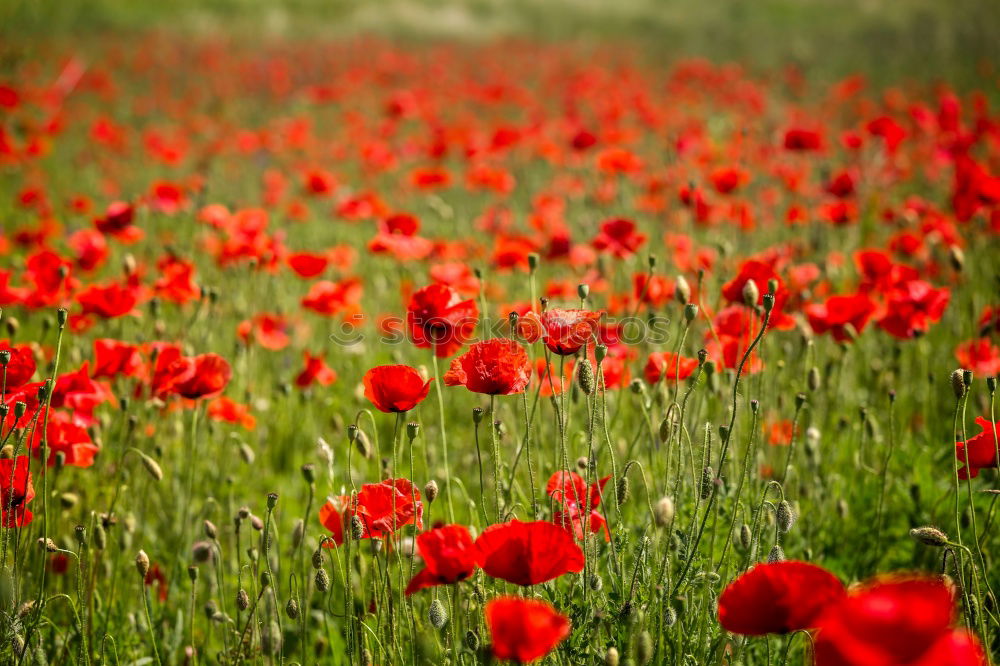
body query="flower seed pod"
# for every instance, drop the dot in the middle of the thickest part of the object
(317, 558)
(751, 294)
(670, 617)
(690, 312)
(322, 580)
(664, 431)
(785, 516)
(611, 657)
(637, 387)
(210, 531)
(438, 614)
(357, 528)
(622, 489)
(583, 291)
(585, 377)
(298, 531)
(256, 523)
(48, 545)
(472, 640)
(776, 555)
(644, 648)
(192, 573)
(81, 535)
(309, 473)
(930, 536)
(595, 582)
(600, 353)
(142, 564)
(431, 491)
(477, 415)
(682, 290)
(201, 551)
(272, 500)
(151, 466)
(707, 481)
(265, 578)
(412, 430)
(292, 609)
(663, 511)
(768, 302)
(746, 537)
(958, 383)
(991, 385)
(813, 379)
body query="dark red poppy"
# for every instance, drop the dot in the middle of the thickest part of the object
(395, 388)
(803, 139)
(896, 620)
(397, 235)
(912, 307)
(20, 368)
(839, 312)
(495, 367)
(315, 370)
(619, 237)
(668, 366)
(67, 436)
(382, 508)
(524, 630)
(981, 356)
(981, 449)
(114, 357)
(449, 555)
(437, 316)
(16, 490)
(176, 282)
(113, 300)
(528, 553)
(778, 598)
(210, 375)
(565, 332)
(307, 264)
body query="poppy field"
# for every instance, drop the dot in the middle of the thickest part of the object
(363, 352)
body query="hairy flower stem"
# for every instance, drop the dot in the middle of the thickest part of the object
(444, 438)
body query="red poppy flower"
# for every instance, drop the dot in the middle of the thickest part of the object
(269, 330)
(896, 621)
(778, 598)
(156, 578)
(438, 317)
(316, 370)
(307, 264)
(668, 366)
(912, 307)
(111, 301)
(176, 282)
(981, 356)
(565, 332)
(528, 553)
(229, 411)
(619, 237)
(210, 373)
(524, 630)
(16, 490)
(838, 312)
(494, 367)
(114, 357)
(397, 235)
(374, 506)
(67, 436)
(578, 513)
(803, 139)
(395, 388)
(449, 555)
(117, 221)
(20, 368)
(982, 449)
(330, 298)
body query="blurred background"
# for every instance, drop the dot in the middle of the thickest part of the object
(889, 40)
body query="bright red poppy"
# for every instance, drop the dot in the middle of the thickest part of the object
(382, 508)
(269, 330)
(395, 388)
(528, 553)
(315, 371)
(578, 513)
(524, 630)
(839, 312)
(896, 621)
(16, 490)
(209, 376)
(19, 369)
(619, 237)
(668, 366)
(110, 301)
(981, 449)
(229, 411)
(114, 357)
(494, 367)
(438, 317)
(912, 307)
(307, 264)
(778, 598)
(980, 355)
(449, 555)
(565, 332)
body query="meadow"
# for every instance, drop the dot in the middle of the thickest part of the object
(401, 346)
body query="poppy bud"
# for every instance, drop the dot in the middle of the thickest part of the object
(785, 516)
(776, 555)
(707, 480)
(991, 384)
(80, 532)
(596, 582)
(967, 378)
(533, 261)
(48, 545)
(751, 294)
(431, 490)
(256, 523)
(210, 530)
(611, 657)
(670, 617)
(664, 432)
(20, 408)
(292, 609)
(663, 511)
(61, 316)
(12, 326)
(472, 640)
(746, 537)
(366, 657)
(772, 286)
(438, 614)
(246, 452)
(702, 357)
(600, 353)
(4, 358)
(682, 290)
(357, 528)
(142, 563)
(930, 536)
(309, 473)
(265, 578)
(68, 500)
(477, 415)
(151, 466)
(651, 260)
(622, 489)
(754, 405)
(957, 258)
(800, 399)
(322, 580)
(317, 557)
(690, 312)
(768, 302)
(412, 430)
(242, 599)
(585, 377)
(243, 512)
(644, 648)
(272, 500)
(637, 386)
(958, 383)
(298, 531)
(192, 573)
(201, 551)
(583, 291)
